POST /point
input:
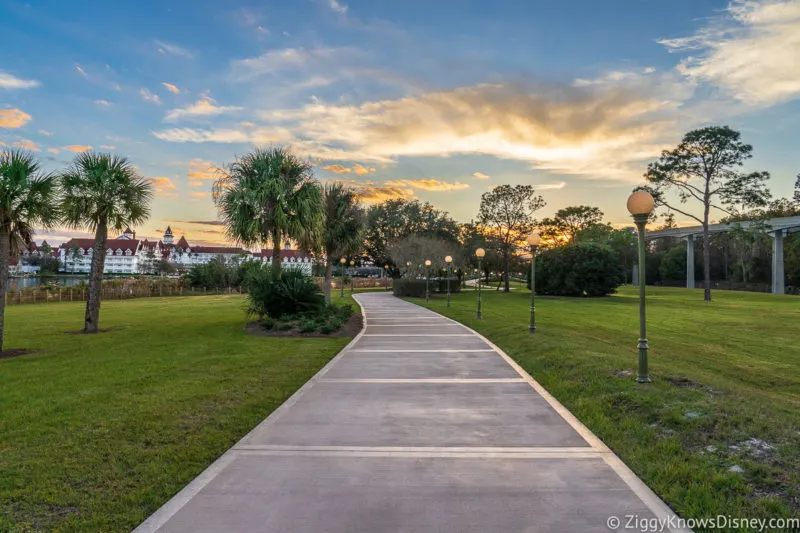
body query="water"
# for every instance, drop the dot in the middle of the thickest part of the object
(29, 282)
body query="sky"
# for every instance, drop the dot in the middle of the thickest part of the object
(437, 100)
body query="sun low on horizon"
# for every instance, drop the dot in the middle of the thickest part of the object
(437, 101)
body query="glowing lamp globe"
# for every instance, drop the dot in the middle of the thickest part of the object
(427, 262)
(408, 263)
(640, 203)
(352, 262)
(342, 260)
(534, 238)
(480, 252)
(448, 259)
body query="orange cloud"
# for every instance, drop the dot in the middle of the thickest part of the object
(200, 171)
(361, 170)
(55, 151)
(429, 184)
(171, 88)
(77, 148)
(375, 195)
(162, 184)
(25, 144)
(198, 194)
(337, 169)
(481, 176)
(13, 118)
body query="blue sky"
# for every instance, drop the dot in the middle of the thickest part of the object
(438, 100)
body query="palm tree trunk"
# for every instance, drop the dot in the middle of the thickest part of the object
(5, 254)
(276, 254)
(92, 320)
(328, 278)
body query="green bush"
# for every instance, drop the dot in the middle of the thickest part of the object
(441, 285)
(414, 288)
(267, 322)
(285, 326)
(293, 293)
(580, 269)
(307, 325)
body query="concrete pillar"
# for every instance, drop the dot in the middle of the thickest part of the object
(690, 262)
(778, 273)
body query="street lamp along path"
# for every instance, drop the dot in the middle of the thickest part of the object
(534, 239)
(640, 205)
(479, 253)
(448, 260)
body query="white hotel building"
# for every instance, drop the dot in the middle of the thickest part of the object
(128, 255)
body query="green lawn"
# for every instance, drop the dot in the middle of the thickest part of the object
(96, 432)
(741, 352)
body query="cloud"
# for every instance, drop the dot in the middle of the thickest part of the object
(107, 147)
(25, 144)
(604, 130)
(102, 103)
(13, 118)
(171, 88)
(55, 151)
(77, 148)
(9, 81)
(337, 7)
(172, 49)
(80, 71)
(551, 186)
(203, 222)
(45, 132)
(337, 169)
(428, 184)
(481, 176)
(163, 186)
(198, 194)
(150, 97)
(200, 170)
(362, 170)
(378, 194)
(272, 61)
(202, 108)
(751, 51)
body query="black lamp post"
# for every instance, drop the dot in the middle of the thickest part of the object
(427, 280)
(533, 241)
(640, 205)
(479, 253)
(342, 261)
(448, 260)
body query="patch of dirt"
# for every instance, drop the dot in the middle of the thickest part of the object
(689, 384)
(623, 373)
(349, 329)
(81, 332)
(16, 352)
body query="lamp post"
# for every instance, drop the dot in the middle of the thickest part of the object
(640, 205)
(342, 261)
(533, 241)
(352, 278)
(448, 260)
(479, 253)
(385, 281)
(427, 280)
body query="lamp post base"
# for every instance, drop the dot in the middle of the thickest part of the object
(642, 375)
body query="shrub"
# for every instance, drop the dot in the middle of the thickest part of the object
(441, 285)
(307, 325)
(285, 326)
(414, 288)
(267, 322)
(293, 293)
(580, 269)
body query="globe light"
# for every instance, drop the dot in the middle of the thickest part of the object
(480, 252)
(534, 239)
(448, 259)
(352, 262)
(640, 203)
(408, 263)
(427, 262)
(342, 260)
(386, 266)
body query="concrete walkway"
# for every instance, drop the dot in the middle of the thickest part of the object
(418, 425)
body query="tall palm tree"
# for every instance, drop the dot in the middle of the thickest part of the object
(28, 197)
(269, 195)
(102, 192)
(343, 233)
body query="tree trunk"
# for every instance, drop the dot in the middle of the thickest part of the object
(706, 264)
(92, 320)
(506, 263)
(276, 254)
(5, 253)
(328, 278)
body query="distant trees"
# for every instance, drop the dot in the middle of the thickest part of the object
(27, 199)
(704, 168)
(507, 213)
(568, 222)
(267, 196)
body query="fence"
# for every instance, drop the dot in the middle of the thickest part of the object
(78, 294)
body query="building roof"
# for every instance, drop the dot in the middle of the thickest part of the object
(114, 244)
(217, 250)
(285, 254)
(182, 243)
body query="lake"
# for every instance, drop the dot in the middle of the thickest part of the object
(26, 283)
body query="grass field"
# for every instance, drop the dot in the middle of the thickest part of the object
(724, 373)
(96, 432)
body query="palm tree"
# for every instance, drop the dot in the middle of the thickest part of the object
(342, 234)
(102, 192)
(27, 198)
(269, 195)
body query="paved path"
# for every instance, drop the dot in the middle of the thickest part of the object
(419, 425)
